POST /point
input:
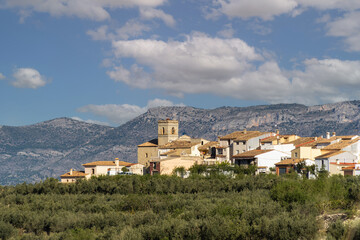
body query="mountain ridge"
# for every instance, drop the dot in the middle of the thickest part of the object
(50, 148)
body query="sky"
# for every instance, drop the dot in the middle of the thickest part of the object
(108, 61)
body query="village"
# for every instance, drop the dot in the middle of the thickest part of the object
(267, 152)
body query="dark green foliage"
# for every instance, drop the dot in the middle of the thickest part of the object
(336, 230)
(6, 230)
(214, 206)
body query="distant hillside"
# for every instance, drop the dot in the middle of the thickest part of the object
(50, 148)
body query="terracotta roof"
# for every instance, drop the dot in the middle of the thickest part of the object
(290, 161)
(251, 154)
(302, 141)
(236, 134)
(207, 145)
(75, 174)
(269, 139)
(348, 168)
(347, 137)
(340, 145)
(178, 144)
(220, 147)
(351, 167)
(248, 136)
(171, 152)
(106, 163)
(325, 140)
(329, 154)
(151, 143)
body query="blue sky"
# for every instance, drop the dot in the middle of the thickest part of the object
(108, 61)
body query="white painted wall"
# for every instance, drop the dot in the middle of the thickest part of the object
(269, 159)
(283, 147)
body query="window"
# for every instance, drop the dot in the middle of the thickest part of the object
(93, 171)
(173, 130)
(237, 151)
(154, 165)
(296, 154)
(220, 151)
(282, 170)
(146, 155)
(237, 143)
(163, 131)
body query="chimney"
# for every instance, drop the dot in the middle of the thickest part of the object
(277, 132)
(71, 171)
(334, 134)
(245, 132)
(327, 135)
(315, 138)
(117, 162)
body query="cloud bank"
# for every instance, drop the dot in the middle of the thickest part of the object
(232, 68)
(87, 9)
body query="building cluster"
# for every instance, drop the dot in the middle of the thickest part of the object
(98, 168)
(267, 151)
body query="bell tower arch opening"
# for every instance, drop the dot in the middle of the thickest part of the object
(167, 131)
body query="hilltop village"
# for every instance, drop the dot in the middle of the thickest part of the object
(266, 152)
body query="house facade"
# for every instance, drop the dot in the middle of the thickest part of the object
(262, 159)
(239, 142)
(168, 165)
(72, 176)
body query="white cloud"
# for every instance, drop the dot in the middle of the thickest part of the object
(151, 13)
(348, 5)
(347, 27)
(231, 68)
(267, 10)
(120, 114)
(132, 28)
(263, 9)
(100, 34)
(327, 80)
(87, 9)
(199, 64)
(2, 76)
(28, 78)
(227, 32)
(91, 121)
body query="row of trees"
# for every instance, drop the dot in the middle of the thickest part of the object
(168, 207)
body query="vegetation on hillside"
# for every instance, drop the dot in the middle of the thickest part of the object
(168, 207)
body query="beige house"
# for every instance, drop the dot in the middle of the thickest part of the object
(73, 176)
(147, 151)
(278, 139)
(167, 166)
(239, 142)
(111, 167)
(306, 148)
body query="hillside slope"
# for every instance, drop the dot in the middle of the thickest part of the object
(48, 149)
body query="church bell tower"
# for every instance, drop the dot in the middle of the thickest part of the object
(168, 130)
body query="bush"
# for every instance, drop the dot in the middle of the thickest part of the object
(6, 230)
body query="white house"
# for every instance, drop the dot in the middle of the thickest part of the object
(263, 159)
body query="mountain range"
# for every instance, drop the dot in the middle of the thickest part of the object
(49, 149)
